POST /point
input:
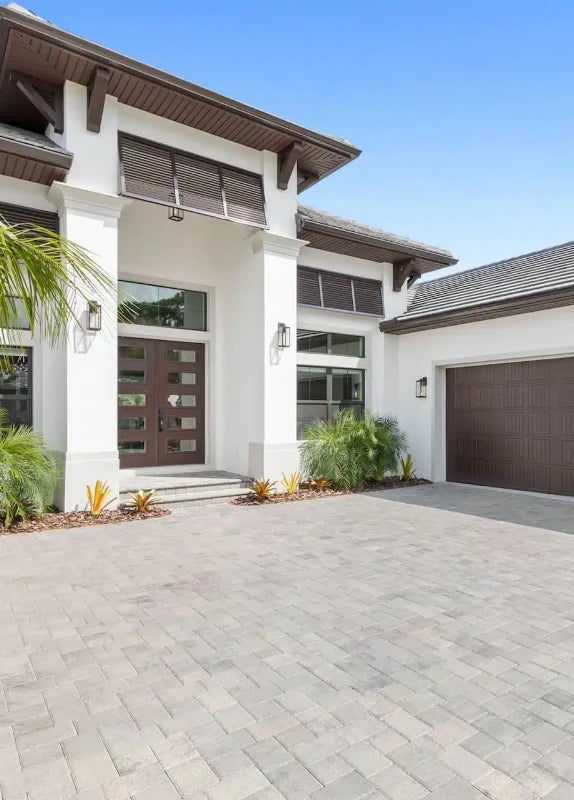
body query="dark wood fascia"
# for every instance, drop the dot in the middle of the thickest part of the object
(541, 301)
(97, 89)
(286, 162)
(384, 244)
(401, 271)
(13, 20)
(30, 152)
(29, 87)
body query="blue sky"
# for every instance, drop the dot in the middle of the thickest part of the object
(464, 110)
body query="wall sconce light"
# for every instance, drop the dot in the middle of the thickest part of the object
(94, 316)
(283, 335)
(175, 213)
(421, 387)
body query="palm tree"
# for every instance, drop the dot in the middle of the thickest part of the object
(42, 276)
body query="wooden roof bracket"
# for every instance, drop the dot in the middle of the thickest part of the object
(414, 276)
(97, 89)
(30, 88)
(401, 271)
(286, 163)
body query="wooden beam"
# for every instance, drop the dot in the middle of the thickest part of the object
(30, 89)
(414, 276)
(401, 271)
(286, 161)
(310, 179)
(97, 89)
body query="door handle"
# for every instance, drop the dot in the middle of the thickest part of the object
(160, 421)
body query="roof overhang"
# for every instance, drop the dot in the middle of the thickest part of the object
(27, 157)
(539, 301)
(32, 46)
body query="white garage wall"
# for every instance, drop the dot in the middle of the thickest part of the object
(541, 334)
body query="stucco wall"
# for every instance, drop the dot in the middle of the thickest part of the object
(429, 353)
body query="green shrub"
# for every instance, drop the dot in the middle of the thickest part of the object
(28, 473)
(349, 451)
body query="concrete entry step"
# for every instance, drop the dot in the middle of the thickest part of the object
(185, 488)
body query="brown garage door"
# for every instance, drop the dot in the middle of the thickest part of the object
(512, 425)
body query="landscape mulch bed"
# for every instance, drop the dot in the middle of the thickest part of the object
(307, 492)
(54, 520)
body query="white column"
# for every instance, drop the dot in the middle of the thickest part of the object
(275, 449)
(80, 379)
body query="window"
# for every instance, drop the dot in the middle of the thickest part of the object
(145, 304)
(16, 384)
(332, 344)
(324, 391)
(316, 287)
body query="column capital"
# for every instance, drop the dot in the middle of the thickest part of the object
(265, 242)
(66, 197)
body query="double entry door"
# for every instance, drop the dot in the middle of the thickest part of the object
(161, 402)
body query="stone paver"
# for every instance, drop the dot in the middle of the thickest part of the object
(353, 647)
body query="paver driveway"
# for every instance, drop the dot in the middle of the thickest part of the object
(343, 648)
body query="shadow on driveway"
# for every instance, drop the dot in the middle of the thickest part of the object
(536, 510)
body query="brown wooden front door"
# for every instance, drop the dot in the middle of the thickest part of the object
(161, 402)
(512, 425)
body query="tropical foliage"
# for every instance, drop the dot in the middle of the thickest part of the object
(407, 471)
(320, 484)
(43, 275)
(290, 483)
(143, 500)
(262, 489)
(99, 498)
(28, 473)
(348, 451)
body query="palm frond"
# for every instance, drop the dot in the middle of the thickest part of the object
(43, 275)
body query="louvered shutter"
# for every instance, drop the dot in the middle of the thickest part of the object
(368, 296)
(21, 215)
(337, 291)
(198, 184)
(308, 291)
(153, 172)
(147, 170)
(243, 196)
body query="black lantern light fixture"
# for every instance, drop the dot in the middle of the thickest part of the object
(421, 387)
(283, 335)
(94, 316)
(175, 213)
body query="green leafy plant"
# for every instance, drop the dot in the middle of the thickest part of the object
(407, 472)
(98, 498)
(262, 489)
(143, 500)
(290, 483)
(348, 451)
(28, 473)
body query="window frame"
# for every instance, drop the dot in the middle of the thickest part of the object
(157, 324)
(28, 352)
(329, 335)
(329, 402)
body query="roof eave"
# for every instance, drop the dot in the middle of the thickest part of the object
(511, 306)
(439, 258)
(10, 19)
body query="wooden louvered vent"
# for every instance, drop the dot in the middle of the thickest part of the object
(159, 174)
(25, 217)
(340, 292)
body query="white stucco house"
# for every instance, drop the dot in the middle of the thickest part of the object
(252, 314)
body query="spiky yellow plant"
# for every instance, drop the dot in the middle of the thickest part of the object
(320, 484)
(290, 483)
(262, 489)
(143, 500)
(98, 498)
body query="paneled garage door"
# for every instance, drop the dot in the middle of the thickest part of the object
(512, 425)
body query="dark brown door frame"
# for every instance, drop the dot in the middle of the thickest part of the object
(170, 421)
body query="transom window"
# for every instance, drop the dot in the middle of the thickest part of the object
(16, 384)
(332, 344)
(324, 391)
(163, 306)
